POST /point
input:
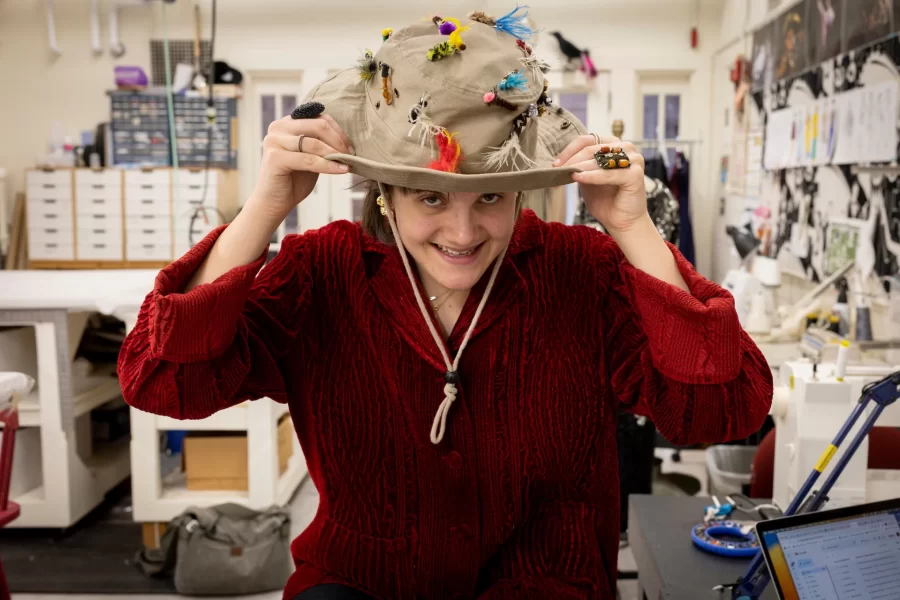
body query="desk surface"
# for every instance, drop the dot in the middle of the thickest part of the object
(669, 566)
(104, 291)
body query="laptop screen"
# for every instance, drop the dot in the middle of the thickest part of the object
(850, 558)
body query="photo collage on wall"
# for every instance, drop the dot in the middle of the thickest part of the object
(814, 56)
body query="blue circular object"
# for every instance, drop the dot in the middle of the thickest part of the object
(725, 538)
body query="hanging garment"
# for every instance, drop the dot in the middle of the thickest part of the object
(661, 204)
(680, 184)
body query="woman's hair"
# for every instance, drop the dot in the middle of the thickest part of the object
(373, 222)
(376, 224)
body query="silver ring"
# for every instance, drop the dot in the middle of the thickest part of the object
(300, 144)
(596, 139)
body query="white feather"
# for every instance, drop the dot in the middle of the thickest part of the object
(508, 154)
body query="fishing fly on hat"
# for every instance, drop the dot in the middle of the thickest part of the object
(450, 106)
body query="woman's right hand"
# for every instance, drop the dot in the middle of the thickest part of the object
(287, 176)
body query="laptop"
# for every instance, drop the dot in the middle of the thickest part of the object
(850, 553)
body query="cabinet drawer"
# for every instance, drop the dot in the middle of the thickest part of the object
(148, 251)
(49, 250)
(148, 221)
(56, 179)
(100, 244)
(112, 192)
(194, 179)
(100, 235)
(98, 180)
(98, 220)
(91, 204)
(147, 204)
(41, 218)
(99, 251)
(149, 235)
(59, 194)
(183, 196)
(156, 177)
(62, 235)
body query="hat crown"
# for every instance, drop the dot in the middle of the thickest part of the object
(455, 96)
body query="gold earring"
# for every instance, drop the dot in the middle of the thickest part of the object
(380, 202)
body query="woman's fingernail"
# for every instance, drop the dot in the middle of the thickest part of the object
(556, 163)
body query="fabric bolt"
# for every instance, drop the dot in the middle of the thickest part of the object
(521, 498)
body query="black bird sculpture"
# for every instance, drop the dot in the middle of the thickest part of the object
(575, 57)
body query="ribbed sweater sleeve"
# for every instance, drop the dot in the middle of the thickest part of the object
(681, 358)
(192, 354)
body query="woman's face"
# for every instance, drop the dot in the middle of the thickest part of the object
(454, 237)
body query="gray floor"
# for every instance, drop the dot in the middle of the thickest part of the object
(304, 507)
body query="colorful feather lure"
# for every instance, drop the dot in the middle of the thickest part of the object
(441, 51)
(366, 66)
(449, 153)
(516, 24)
(513, 81)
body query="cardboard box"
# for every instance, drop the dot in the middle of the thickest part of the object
(216, 461)
(152, 533)
(285, 442)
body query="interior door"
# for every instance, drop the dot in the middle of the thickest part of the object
(272, 98)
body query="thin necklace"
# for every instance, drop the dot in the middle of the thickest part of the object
(437, 307)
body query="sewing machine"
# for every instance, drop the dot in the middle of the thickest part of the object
(809, 405)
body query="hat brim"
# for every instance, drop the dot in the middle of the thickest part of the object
(418, 178)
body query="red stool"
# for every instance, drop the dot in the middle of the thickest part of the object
(9, 510)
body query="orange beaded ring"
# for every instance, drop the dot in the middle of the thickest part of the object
(611, 158)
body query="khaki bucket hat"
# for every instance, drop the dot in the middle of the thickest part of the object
(453, 106)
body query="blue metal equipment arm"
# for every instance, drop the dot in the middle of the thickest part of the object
(883, 393)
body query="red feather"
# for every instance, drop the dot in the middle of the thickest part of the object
(449, 153)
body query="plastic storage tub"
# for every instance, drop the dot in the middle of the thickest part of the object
(729, 469)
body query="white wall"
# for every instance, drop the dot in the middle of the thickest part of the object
(647, 36)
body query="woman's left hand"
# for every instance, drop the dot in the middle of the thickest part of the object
(615, 197)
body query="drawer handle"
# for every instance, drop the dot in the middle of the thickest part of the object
(146, 201)
(49, 201)
(51, 231)
(98, 186)
(147, 216)
(194, 187)
(99, 245)
(51, 245)
(99, 231)
(51, 216)
(49, 186)
(98, 201)
(146, 186)
(99, 216)
(149, 231)
(149, 246)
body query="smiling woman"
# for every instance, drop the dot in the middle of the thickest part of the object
(452, 238)
(454, 365)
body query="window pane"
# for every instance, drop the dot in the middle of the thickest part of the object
(288, 104)
(651, 116)
(673, 116)
(267, 114)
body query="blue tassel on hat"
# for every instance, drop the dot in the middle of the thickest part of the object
(515, 24)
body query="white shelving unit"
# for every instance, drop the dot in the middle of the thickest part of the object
(156, 499)
(57, 305)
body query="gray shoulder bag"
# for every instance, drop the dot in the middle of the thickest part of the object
(223, 550)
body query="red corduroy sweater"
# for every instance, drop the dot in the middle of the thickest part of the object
(521, 498)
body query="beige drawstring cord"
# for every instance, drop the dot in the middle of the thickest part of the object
(439, 426)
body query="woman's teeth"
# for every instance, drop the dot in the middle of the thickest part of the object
(450, 252)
